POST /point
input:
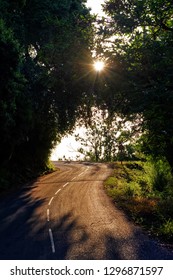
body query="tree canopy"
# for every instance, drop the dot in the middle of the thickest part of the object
(138, 46)
(46, 81)
(45, 46)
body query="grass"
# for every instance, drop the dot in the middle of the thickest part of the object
(145, 193)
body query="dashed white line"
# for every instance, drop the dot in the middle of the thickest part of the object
(65, 185)
(58, 191)
(51, 200)
(48, 215)
(82, 172)
(51, 240)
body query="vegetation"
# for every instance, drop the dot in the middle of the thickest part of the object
(136, 42)
(139, 78)
(46, 85)
(44, 48)
(144, 189)
(108, 138)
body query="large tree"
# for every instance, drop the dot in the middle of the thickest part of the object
(140, 50)
(13, 106)
(108, 138)
(45, 49)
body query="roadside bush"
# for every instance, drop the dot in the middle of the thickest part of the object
(158, 176)
(165, 207)
(144, 190)
(166, 230)
(132, 189)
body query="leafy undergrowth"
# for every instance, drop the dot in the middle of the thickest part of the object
(15, 179)
(133, 187)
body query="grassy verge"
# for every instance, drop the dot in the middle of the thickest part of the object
(145, 192)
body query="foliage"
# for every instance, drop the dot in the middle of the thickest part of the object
(166, 230)
(12, 122)
(144, 189)
(108, 138)
(159, 175)
(44, 47)
(139, 59)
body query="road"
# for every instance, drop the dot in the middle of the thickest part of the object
(67, 215)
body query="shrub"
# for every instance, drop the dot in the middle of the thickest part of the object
(165, 207)
(133, 189)
(166, 230)
(158, 175)
(144, 190)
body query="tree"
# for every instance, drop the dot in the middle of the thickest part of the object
(142, 46)
(108, 138)
(12, 103)
(49, 43)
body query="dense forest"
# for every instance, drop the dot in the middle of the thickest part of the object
(45, 49)
(46, 80)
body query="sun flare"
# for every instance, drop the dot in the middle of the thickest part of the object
(99, 65)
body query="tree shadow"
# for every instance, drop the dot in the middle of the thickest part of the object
(20, 224)
(76, 242)
(136, 247)
(24, 230)
(24, 235)
(68, 233)
(96, 168)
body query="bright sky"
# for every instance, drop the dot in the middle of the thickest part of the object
(95, 5)
(68, 146)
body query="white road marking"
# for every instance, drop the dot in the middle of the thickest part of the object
(48, 211)
(58, 191)
(65, 185)
(52, 241)
(48, 215)
(51, 200)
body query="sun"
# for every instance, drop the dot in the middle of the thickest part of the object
(99, 65)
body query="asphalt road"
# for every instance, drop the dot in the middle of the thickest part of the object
(67, 215)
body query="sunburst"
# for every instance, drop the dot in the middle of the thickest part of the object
(99, 65)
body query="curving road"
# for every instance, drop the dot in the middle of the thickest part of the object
(67, 215)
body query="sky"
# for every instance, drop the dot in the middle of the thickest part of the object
(95, 5)
(68, 146)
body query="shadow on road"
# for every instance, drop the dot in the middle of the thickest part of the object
(21, 228)
(68, 234)
(73, 241)
(24, 234)
(136, 247)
